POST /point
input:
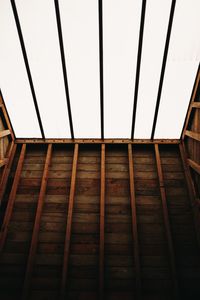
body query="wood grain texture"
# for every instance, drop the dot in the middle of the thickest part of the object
(69, 224)
(167, 223)
(134, 223)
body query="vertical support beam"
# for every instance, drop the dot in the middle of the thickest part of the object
(191, 190)
(101, 77)
(7, 169)
(34, 240)
(102, 224)
(167, 223)
(134, 223)
(137, 76)
(69, 225)
(62, 53)
(11, 199)
(162, 74)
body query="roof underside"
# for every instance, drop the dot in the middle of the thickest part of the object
(98, 69)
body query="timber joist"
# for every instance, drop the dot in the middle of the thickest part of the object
(102, 221)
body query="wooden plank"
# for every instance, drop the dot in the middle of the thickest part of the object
(193, 135)
(102, 225)
(7, 169)
(97, 141)
(11, 199)
(167, 223)
(4, 133)
(195, 104)
(69, 225)
(191, 191)
(134, 223)
(190, 107)
(36, 228)
(194, 165)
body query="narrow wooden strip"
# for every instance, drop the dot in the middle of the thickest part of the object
(193, 135)
(192, 101)
(2, 149)
(3, 162)
(134, 223)
(69, 224)
(195, 104)
(97, 141)
(7, 169)
(191, 190)
(167, 223)
(194, 165)
(11, 199)
(7, 119)
(102, 224)
(4, 133)
(34, 240)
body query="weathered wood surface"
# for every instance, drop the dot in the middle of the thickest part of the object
(120, 268)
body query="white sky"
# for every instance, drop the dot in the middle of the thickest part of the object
(121, 22)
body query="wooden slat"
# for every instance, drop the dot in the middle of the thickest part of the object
(195, 104)
(134, 223)
(191, 190)
(190, 107)
(193, 135)
(3, 162)
(167, 223)
(194, 165)
(97, 141)
(4, 133)
(69, 224)
(7, 169)
(6, 117)
(102, 224)
(11, 199)
(36, 228)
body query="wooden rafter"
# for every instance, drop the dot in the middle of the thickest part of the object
(69, 224)
(166, 222)
(134, 223)
(34, 240)
(191, 190)
(12, 197)
(102, 225)
(7, 169)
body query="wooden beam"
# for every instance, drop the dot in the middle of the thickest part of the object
(194, 165)
(69, 224)
(193, 135)
(102, 225)
(195, 105)
(191, 191)
(11, 199)
(194, 93)
(36, 228)
(7, 169)
(167, 223)
(4, 133)
(134, 223)
(97, 141)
